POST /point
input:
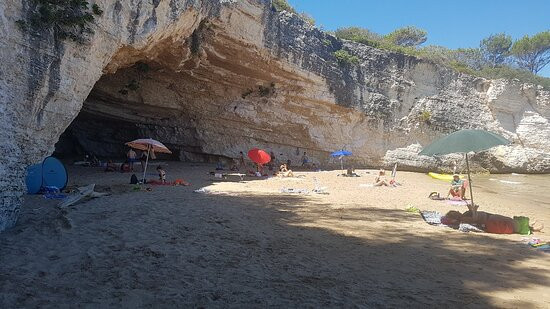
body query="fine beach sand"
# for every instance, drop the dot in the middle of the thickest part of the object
(245, 244)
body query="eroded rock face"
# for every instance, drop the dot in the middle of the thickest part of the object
(212, 78)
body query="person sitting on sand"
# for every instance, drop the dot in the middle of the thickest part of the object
(491, 223)
(162, 174)
(260, 170)
(125, 167)
(381, 180)
(351, 172)
(234, 166)
(143, 159)
(111, 167)
(284, 171)
(457, 187)
(305, 159)
(315, 168)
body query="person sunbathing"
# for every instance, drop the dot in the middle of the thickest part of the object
(351, 173)
(284, 171)
(458, 189)
(381, 180)
(110, 167)
(491, 223)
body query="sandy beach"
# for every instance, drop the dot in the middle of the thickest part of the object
(246, 244)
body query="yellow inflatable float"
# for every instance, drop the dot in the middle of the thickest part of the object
(444, 177)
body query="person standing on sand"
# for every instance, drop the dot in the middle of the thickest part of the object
(162, 174)
(131, 156)
(143, 158)
(272, 162)
(241, 161)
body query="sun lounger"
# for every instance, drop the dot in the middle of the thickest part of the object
(225, 175)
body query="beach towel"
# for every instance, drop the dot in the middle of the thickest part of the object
(538, 244)
(457, 202)
(201, 190)
(431, 217)
(294, 191)
(465, 227)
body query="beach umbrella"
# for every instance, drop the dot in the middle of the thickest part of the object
(259, 156)
(148, 144)
(341, 154)
(464, 141)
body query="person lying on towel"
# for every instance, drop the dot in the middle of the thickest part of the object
(491, 223)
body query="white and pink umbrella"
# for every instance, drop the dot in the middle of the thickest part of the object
(148, 144)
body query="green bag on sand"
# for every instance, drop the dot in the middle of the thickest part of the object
(523, 223)
(412, 209)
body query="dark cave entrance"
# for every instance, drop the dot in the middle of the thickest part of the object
(128, 105)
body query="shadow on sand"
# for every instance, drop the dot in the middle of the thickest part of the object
(215, 250)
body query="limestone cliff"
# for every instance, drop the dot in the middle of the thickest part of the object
(212, 78)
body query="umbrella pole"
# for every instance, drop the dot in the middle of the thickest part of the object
(470, 185)
(342, 164)
(146, 162)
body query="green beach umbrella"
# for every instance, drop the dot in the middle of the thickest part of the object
(464, 141)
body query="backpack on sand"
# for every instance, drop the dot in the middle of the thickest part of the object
(133, 179)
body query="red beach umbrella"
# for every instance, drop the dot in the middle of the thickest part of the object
(259, 156)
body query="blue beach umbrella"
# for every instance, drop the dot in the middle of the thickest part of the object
(341, 154)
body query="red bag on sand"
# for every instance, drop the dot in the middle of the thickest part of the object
(158, 183)
(497, 226)
(177, 182)
(181, 182)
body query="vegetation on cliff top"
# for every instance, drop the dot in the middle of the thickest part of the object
(344, 56)
(68, 19)
(497, 56)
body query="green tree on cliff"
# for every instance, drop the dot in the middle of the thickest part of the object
(283, 5)
(532, 53)
(495, 48)
(470, 57)
(358, 34)
(409, 36)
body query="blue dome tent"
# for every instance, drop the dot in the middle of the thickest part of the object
(51, 173)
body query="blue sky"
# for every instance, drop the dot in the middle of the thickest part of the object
(450, 23)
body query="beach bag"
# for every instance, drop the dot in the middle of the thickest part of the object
(133, 179)
(523, 223)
